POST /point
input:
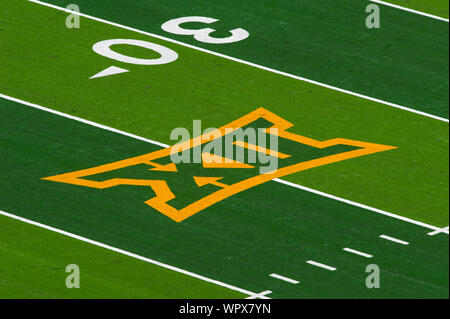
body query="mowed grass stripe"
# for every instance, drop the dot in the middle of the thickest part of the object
(433, 7)
(150, 101)
(39, 107)
(36, 268)
(114, 70)
(404, 62)
(269, 229)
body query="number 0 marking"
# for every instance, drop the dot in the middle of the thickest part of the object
(104, 48)
(203, 35)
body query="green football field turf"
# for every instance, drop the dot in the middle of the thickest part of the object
(404, 62)
(105, 274)
(275, 227)
(435, 7)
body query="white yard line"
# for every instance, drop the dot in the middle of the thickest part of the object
(261, 295)
(315, 263)
(104, 127)
(438, 231)
(376, 210)
(244, 62)
(123, 252)
(357, 252)
(292, 281)
(395, 240)
(410, 10)
(79, 119)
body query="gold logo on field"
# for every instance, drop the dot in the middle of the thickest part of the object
(210, 179)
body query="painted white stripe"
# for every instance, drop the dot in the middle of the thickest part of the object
(438, 231)
(376, 210)
(357, 252)
(246, 62)
(104, 127)
(123, 252)
(395, 240)
(292, 281)
(315, 263)
(410, 10)
(261, 295)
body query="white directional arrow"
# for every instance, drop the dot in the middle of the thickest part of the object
(109, 71)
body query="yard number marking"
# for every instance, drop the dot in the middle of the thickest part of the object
(167, 55)
(203, 35)
(104, 48)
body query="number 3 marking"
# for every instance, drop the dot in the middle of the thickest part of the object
(203, 35)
